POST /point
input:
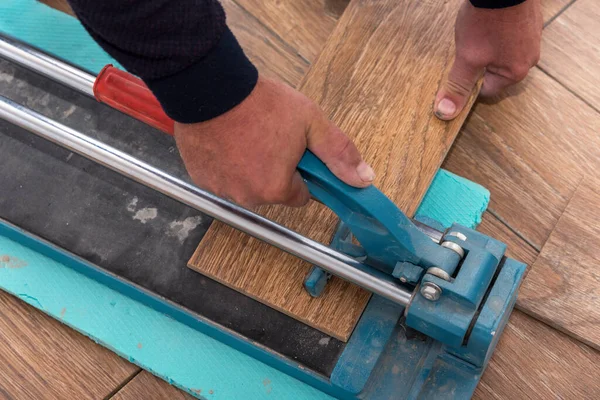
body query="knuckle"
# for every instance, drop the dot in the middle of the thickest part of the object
(341, 147)
(459, 87)
(312, 110)
(275, 193)
(519, 71)
(242, 200)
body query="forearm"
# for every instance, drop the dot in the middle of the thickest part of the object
(182, 49)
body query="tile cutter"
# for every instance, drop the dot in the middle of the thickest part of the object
(451, 293)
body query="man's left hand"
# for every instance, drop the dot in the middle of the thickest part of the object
(500, 44)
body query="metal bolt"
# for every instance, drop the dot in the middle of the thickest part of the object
(431, 291)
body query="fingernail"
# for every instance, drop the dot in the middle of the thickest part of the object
(446, 108)
(365, 172)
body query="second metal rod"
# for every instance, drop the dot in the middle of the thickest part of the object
(238, 217)
(48, 66)
(83, 82)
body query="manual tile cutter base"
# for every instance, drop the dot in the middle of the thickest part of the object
(439, 306)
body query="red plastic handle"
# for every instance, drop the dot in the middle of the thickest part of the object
(130, 95)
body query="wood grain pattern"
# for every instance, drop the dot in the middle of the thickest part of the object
(571, 50)
(551, 8)
(273, 57)
(563, 287)
(534, 361)
(43, 359)
(336, 7)
(517, 247)
(303, 25)
(148, 387)
(530, 148)
(366, 81)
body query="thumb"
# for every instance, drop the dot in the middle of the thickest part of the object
(456, 90)
(338, 152)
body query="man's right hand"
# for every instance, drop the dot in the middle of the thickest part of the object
(249, 154)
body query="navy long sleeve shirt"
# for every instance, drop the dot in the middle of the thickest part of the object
(183, 50)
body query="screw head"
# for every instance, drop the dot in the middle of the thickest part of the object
(431, 291)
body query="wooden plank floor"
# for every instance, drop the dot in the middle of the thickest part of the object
(302, 25)
(571, 50)
(43, 359)
(363, 81)
(524, 149)
(532, 150)
(148, 387)
(532, 360)
(563, 286)
(535, 148)
(551, 8)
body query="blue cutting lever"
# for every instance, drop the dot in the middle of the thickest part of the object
(450, 307)
(386, 234)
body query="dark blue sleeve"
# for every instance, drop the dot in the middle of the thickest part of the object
(182, 49)
(495, 3)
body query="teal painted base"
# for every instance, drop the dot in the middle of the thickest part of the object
(52, 31)
(184, 357)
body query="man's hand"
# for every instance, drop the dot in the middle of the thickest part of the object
(249, 154)
(502, 44)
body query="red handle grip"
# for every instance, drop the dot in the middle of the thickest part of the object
(130, 95)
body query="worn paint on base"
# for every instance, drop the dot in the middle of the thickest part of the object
(175, 352)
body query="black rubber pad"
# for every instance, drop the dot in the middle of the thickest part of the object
(122, 226)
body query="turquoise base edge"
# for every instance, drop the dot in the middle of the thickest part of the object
(191, 353)
(188, 358)
(52, 31)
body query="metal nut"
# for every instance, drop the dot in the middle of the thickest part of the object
(431, 291)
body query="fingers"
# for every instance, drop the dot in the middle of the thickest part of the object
(457, 89)
(338, 152)
(494, 84)
(298, 194)
(497, 79)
